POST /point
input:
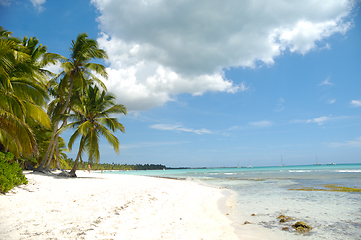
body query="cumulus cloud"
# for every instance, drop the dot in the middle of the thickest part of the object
(38, 4)
(180, 128)
(355, 103)
(159, 49)
(260, 124)
(54, 68)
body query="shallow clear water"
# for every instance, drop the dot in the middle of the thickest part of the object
(265, 192)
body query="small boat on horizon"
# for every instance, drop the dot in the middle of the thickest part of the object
(249, 163)
(331, 163)
(317, 163)
(282, 165)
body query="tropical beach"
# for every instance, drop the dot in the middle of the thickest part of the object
(145, 119)
(100, 206)
(218, 203)
(275, 198)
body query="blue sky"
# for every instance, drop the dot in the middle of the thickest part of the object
(218, 84)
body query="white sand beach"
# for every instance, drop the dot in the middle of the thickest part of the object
(102, 206)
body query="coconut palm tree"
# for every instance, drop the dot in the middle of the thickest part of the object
(76, 70)
(22, 93)
(91, 118)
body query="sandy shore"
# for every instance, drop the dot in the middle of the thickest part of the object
(101, 206)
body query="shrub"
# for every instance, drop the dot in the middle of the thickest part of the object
(11, 174)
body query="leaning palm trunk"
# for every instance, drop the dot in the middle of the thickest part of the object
(56, 128)
(75, 167)
(40, 168)
(55, 146)
(47, 167)
(57, 154)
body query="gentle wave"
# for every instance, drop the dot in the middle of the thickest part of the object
(299, 170)
(349, 171)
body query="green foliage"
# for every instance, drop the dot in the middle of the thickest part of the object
(114, 166)
(22, 92)
(91, 118)
(11, 174)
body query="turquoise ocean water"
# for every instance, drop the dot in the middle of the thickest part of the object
(265, 192)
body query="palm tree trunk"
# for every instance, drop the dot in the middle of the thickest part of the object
(75, 167)
(40, 168)
(57, 154)
(47, 167)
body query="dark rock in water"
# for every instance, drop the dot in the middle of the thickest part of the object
(285, 228)
(246, 222)
(284, 218)
(253, 214)
(301, 227)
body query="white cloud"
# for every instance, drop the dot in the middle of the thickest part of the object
(280, 105)
(158, 49)
(355, 103)
(326, 82)
(263, 123)
(180, 128)
(320, 120)
(54, 68)
(354, 143)
(37, 4)
(141, 84)
(331, 101)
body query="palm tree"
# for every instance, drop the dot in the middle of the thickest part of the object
(22, 93)
(76, 70)
(91, 118)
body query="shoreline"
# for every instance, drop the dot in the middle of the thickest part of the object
(96, 206)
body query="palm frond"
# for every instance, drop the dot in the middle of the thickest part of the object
(113, 140)
(72, 139)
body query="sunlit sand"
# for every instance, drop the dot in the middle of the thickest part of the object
(100, 206)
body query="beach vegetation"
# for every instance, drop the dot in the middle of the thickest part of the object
(35, 103)
(22, 91)
(11, 173)
(91, 117)
(76, 75)
(83, 165)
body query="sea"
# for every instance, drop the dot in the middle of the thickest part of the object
(303, 193)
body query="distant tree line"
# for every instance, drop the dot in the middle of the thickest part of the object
(113, 166)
